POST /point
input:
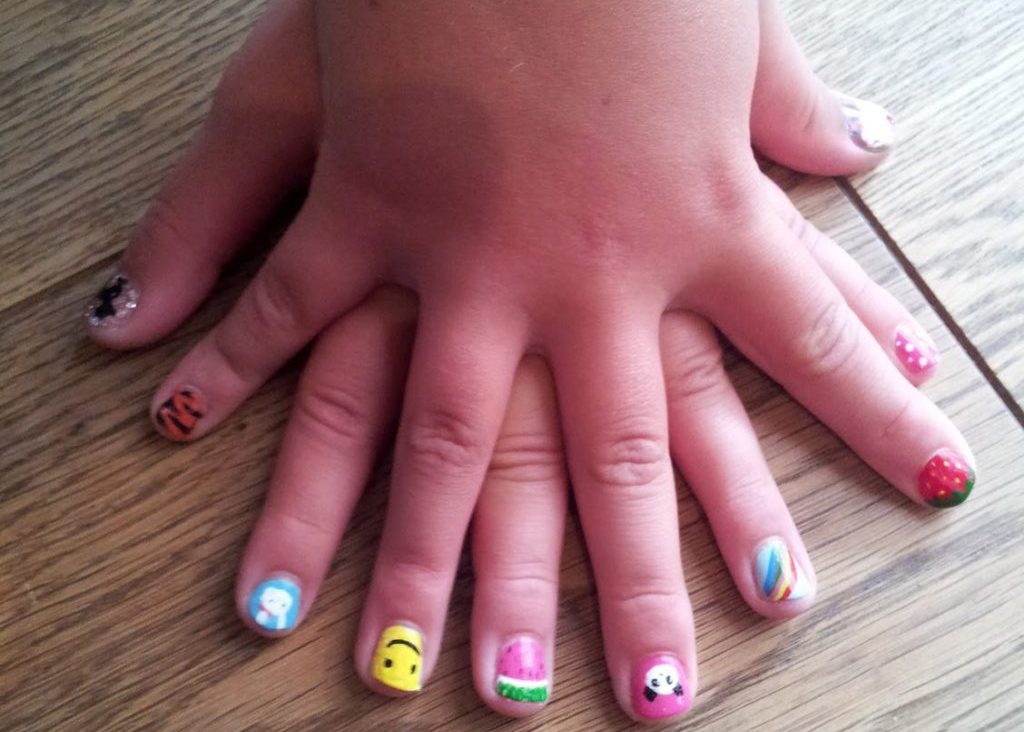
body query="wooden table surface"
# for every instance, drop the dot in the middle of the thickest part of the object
(118, 549)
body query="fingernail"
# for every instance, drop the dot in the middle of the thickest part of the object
(274, 604)
(778, 575)
(398, 659)
(946, 480)
(178, 416)
(915, 351)
(522, 675)
(660, 688)
(113, 304)
(869, 126)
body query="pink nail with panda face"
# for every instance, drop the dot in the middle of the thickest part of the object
(915, 352)
(659, 687)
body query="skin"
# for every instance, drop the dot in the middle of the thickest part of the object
(586, 198)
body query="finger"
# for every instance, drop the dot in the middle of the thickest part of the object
(315, 273)
(714, 446)
(904, 339)
(792, 321)
(612, 401)
(346, 403)
(798, 121)
(458, 388)
(255, 147)
(517, 540)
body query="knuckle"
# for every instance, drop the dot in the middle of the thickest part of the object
(694, 371)
(416, 572)
(335, 413)
(830, 343)
(648, 596)
(527, 458)
(630, 461)
(312, 525)
(274, 303)
(899, 423)
(443, 440)
(521, 577)
(164, 225)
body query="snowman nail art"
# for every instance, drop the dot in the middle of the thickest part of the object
(946, 480)
(659, 687)
(915, 352)
(274, 604)
(521, 671)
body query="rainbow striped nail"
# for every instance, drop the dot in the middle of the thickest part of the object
(778, 576)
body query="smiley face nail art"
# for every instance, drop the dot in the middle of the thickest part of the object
(178, 416)
(113, 304)
(274, 604)
(659, 687)
(398, 659)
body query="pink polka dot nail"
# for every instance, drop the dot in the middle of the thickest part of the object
(915, 352)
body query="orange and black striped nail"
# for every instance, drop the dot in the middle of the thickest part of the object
(177, 417)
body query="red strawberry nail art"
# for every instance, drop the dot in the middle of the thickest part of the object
(946, 480)
(915, 353)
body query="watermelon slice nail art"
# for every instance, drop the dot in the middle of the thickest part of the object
(915, 352)
(522, 675)
(946, 480)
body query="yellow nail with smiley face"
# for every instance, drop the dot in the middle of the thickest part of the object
(398, 660)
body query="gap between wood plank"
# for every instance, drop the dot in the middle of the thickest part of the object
(922, 285)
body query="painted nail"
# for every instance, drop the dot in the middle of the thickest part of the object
(778, 575)
(113, 304)
(946, 480)
(915, 351)
(274, 604)
(660, 688)
(398, 659)
(177, 417)
(521, 672)
(869, 126)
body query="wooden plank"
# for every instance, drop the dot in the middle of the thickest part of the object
(97, 100)
(118, 552)
(951, 196)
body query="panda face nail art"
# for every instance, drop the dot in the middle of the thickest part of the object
(274, 604)
(178, 416)
(113, 304)
(778, 575)
(659, 687)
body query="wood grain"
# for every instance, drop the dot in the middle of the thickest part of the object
(952, 196)
(118, 549)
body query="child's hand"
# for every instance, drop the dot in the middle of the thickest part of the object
(554, 185)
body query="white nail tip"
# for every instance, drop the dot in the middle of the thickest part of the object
(869, 125)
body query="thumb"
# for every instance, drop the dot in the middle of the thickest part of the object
(798, 121)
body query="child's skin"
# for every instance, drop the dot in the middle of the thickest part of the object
(573, 180)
